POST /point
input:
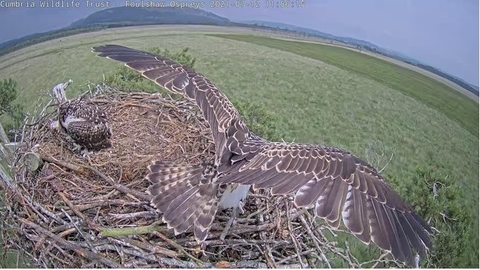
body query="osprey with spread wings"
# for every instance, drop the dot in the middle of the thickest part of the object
(338, 185)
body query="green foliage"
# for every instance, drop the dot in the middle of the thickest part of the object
(16, 115)
(126, 16)
(8, 94)
(182, 57)
(258, 119)
(441, 200)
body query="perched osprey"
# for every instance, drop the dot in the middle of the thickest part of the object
(82, 121)
(338, 185)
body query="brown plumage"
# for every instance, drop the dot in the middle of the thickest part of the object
(338, 185)
(82, 121)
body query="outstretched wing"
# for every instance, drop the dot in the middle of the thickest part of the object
(339, 186)
(215, 106)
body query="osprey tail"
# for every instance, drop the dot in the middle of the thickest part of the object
(185, 195)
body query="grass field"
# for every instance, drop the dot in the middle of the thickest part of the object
(437, 95)
(319, 94)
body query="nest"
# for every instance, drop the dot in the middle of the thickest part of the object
(93, 211)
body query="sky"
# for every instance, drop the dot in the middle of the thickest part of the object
(441, 33)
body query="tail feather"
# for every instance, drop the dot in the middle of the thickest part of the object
(205, 216)
(186, 200)
(171, 181)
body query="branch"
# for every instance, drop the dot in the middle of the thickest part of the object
(69, 245)
(116, 232)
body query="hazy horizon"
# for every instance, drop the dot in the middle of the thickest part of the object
(440, 33)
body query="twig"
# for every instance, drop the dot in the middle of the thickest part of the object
(388, 162)
(80, 251)
(179, 248)
(116, 232)
(143, 214)
(294, 240)
(77, 212)
(72, 167)
(140, 195)
(151, 248)
(87, 240)
(107, 202)
(302, 218)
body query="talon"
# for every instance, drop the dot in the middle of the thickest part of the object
(240, 207)
(230, 222)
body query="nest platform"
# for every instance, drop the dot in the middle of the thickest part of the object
(93, 211)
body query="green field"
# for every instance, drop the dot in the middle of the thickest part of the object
(319, 94)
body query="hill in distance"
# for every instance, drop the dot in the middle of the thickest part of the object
(142, 16)
(120, 17)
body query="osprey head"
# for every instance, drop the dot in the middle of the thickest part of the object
(58, 91)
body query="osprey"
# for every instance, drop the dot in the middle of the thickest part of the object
(338, 185)
(82, 121)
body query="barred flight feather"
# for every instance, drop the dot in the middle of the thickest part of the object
(338, 185)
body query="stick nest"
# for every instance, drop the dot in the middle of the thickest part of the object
(94, 211)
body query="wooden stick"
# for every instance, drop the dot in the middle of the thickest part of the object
(3, 136)
(71, 246)
(64, 164)
(116, 232)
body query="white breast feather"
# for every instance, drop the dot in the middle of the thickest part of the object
(232, 198)
(71, 119)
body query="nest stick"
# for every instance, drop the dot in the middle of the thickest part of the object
(67, 244)
(77, 212)
(116, 232)
(310, 233)
(151, 248)
(108, 192)
(61, 163)
(122, 188)
(179, 248)
(79, 168)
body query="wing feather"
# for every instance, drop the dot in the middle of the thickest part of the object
(361, 217)
(340, 187)
(354, 214)
(378, 226)
(179, 207)
(335, 200)
(311, 191)
(404, 243)
(214, 105)
(290, 186)
(273, 180)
